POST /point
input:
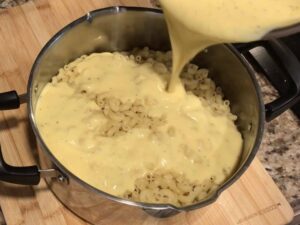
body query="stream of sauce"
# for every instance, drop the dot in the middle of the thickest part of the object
(197, 24)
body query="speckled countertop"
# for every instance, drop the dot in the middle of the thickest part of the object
(280, 149)
(11, 3)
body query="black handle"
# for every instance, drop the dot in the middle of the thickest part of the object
(281, 67)
(9, 100)
(28, 175)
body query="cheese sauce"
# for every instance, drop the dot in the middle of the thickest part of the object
(196, 24)
(202, 144)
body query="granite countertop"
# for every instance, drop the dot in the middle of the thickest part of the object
(279, 151)
(11, 3)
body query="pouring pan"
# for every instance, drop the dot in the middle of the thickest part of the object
(121, 29)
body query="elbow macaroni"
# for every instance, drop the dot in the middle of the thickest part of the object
(122, 117)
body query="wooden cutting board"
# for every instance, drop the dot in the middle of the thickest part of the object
(253, 200)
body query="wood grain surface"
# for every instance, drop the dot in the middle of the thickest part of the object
(253, 200)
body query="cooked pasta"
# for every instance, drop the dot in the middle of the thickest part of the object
(124, 134)
(195, 80)
(170, 188)
(124, 116)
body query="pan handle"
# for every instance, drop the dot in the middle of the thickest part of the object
(11, 100)
(27, 175)
(281, 67)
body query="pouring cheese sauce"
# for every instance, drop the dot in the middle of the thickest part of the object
(81, 128)
(197, 24)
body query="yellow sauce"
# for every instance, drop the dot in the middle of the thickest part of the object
(197, 24)
(202, 145)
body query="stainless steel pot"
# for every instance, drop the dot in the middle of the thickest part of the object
(121, 28)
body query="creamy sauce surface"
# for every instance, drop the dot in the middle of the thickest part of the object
(197, 24)
(202, 146)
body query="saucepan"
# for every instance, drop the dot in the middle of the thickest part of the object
(119, 29)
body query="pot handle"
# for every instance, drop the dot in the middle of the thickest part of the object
(11, 100)
(266, 56)
(27, 175)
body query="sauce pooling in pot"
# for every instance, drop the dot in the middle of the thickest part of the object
(110, 120)
(197, 24)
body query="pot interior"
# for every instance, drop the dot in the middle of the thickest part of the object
(120, 29)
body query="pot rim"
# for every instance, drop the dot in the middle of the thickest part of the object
(122, 9)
